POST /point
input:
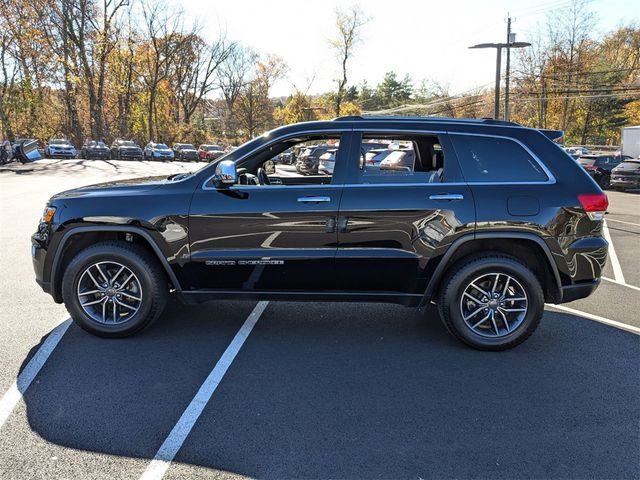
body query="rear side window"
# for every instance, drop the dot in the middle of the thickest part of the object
(496, 159)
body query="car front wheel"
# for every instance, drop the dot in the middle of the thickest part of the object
(491, 302)
(114, 289)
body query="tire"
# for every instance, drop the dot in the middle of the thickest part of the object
(150, 294)
(511, 327)
(605, 183)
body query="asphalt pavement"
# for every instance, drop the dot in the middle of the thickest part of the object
(313, 390)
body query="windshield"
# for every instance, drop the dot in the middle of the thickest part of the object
(59, 142)
(187, 146)
(161, 146)
(96, 144)
(213, 148)
(127, 143)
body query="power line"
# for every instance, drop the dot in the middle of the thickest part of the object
(530, 99)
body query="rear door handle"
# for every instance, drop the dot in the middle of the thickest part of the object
(314, 199)
(447, 196)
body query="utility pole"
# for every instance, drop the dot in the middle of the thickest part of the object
(510, 41)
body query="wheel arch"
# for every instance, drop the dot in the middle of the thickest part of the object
(88, 235)
(516, 244)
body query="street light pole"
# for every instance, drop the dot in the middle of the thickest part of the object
(499, 47)
(496, 104)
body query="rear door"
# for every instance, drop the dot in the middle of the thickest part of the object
(392, 221)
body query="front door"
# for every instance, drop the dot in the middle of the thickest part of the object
(280, 237)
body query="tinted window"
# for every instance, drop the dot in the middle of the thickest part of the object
(494, 159)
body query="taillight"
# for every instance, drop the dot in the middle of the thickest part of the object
(595, 204)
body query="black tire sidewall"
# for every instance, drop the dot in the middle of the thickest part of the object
(460, 279)
(125, 257)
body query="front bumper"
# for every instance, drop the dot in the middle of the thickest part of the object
(62, 153)
(98, 154)
(162, 156)
(129, 154)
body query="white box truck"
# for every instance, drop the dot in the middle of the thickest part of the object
(631, 141)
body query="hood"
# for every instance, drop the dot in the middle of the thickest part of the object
(115, 188)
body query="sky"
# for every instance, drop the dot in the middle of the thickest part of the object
(425, 39)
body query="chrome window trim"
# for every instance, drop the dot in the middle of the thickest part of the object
(550, 177)
(322, 131)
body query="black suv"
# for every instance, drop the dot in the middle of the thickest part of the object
(491, 221)
(600, 166)
(125, 150)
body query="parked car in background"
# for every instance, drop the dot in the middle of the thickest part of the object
(26, 150)
(374, 157)
(157, 151)
(626, 175)
(309, 159)
(576, 152)
(6, 152)
(94, 149)
(285, 158)
(185, 151)
(59, 148)
(210, 152)
(399, 160)
(599, 167)
(327, 162)
(125, 150)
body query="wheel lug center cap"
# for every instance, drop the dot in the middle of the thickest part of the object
(110, 292)
(493, 304)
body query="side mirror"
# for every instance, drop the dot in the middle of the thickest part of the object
(226, 174)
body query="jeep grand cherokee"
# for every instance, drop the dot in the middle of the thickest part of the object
(489, 222)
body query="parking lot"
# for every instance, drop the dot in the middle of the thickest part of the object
(312, 390)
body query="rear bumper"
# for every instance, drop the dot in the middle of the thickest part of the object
(627, 183)
(581, 290)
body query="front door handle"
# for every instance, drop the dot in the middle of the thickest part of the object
(447, 196)
(314, 199)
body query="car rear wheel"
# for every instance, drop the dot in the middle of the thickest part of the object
(491, 302)
(114, 289)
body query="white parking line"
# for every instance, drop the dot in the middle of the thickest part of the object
(172, 444)
(598, 318)
(620, 283)
(622, 221)
(11, 398)
(615, 263)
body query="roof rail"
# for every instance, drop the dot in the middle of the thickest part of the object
(486, 121)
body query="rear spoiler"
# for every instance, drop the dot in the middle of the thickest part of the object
(553, 135)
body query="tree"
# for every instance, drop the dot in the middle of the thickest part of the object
(349, 24)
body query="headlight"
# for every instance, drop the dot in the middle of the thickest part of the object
(47, 215)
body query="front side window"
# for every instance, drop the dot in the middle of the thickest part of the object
(496, 159)
(401, 159)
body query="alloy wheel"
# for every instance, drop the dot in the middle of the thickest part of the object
(494, 305)
(109, 292)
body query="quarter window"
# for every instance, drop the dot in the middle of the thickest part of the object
(496, 159)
